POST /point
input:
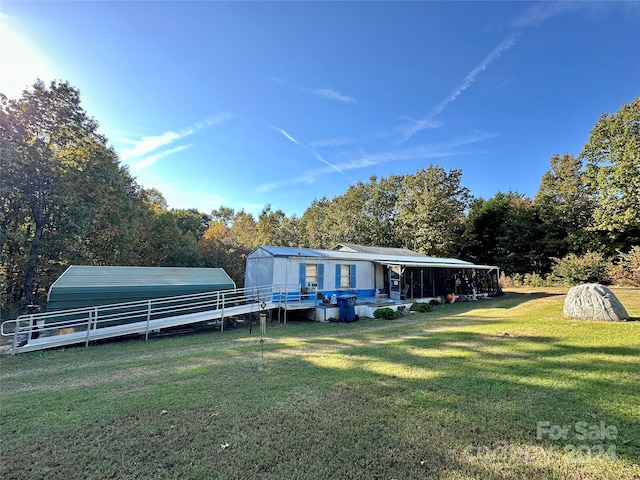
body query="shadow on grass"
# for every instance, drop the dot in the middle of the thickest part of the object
(427, 396)
(484, 388)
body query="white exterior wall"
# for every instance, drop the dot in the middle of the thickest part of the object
(379, 276)
(259, 269)
(265, 269)
(286, 271)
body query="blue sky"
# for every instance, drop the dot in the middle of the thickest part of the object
(245, 104)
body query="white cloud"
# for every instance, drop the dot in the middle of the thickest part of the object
(429, 120)
(332, 95)
(148, 161)
(148, 144)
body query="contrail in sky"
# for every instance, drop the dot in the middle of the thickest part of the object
(428, 121)
(308, 149)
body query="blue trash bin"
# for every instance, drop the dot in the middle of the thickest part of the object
(347, 308)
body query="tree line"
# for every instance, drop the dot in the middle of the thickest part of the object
(66, 199)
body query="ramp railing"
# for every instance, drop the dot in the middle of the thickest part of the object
(27, 328)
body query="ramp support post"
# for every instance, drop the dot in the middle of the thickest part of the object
(222, 316)
(146, 335)
(86, 343)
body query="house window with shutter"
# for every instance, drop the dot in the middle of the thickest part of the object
(345, 276)
(311, 275)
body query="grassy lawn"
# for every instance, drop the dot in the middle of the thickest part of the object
(497, 389)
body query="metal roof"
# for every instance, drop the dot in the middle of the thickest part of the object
(88, 285)
(352, 247)
(413, 259)
(99, 276)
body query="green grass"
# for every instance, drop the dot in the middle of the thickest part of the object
(456, 393)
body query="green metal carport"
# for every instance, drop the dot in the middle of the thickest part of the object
(88, 286)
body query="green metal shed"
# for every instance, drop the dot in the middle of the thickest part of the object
(87, 286)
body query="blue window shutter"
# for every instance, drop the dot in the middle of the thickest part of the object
(352, 275)
(337, 276)
(303, 274)
(321, 276)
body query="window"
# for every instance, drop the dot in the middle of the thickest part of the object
(345, 276)
(311, 275)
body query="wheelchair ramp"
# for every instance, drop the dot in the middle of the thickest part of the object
(71, 327)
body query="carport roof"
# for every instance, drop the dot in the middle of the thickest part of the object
(122, 276)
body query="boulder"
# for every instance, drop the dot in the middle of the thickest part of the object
(592, 301)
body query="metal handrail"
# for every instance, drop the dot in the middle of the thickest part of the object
(92, 318)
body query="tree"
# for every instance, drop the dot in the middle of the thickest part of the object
(228, 246)
(520, 246)
(381, 211)
(506, 231)
(212, 244)
(431, 211)
(612, 174)
(565, 208)
(366, 213)
(313, 231)
(485, 229)
(192, 221)
(55, 166)
(274, 228)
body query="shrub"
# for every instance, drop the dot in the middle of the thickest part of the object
(573, 269)
(434, 302)
(420, 307)
(518, 280)
(386, 313)
(533, 280)
(624, 272)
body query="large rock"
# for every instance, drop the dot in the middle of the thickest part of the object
(592, 301)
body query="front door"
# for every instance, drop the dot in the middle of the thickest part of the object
(395, 275)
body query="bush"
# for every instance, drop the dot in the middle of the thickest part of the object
(624, 272)
(420, 307)
(518, 280)
(573, 269)
(386, 313)
(533, 280)
(434, 302)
